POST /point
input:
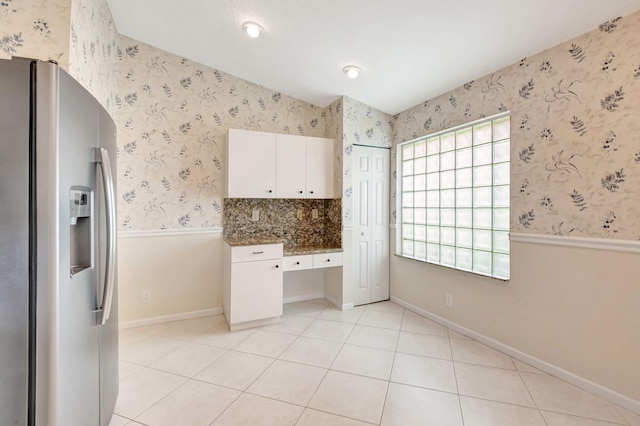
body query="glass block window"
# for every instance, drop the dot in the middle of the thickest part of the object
(453, 207)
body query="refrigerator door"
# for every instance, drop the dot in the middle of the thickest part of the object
(14, 241)
(67, 128)
(109, 330)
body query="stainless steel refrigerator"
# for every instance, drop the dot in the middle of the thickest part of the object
(58, 286)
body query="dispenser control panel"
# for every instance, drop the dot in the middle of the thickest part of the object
(80, 206)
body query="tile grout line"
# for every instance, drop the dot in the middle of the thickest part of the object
(455, 376)
(327, 369)
(395, 353)
(529, 392)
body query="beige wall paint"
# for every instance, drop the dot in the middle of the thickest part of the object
(182, 272)
(561, 306)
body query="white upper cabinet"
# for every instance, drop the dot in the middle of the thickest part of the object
(291, 166)
(269, 165)
(251, 164)
(319, 168)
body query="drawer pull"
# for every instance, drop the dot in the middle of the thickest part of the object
(258, 252)
(277, 266)
(311, 192)
(297, 263)
(300, 192)
(328, 260)
(270, 191)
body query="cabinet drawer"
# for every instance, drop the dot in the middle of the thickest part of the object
(257, 252)
(295, 263)
(327, 260)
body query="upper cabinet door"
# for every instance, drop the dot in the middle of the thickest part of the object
(319, 168)
(251, 164)
(291, 166)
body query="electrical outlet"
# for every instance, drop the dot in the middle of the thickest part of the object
(146, 296)
(448, 300)
(314, 213)
(255, 215)
(300, 213)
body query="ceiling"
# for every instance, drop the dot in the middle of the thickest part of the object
(409, 50)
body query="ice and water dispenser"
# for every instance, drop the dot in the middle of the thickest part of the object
(81, 229)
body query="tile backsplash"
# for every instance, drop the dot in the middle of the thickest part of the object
(279, 218)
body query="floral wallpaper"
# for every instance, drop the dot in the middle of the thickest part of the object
(78, 34)
(172, 117)
(575, 132)
(361, 125)
(333, 129)
(93, 50)
(35, 29)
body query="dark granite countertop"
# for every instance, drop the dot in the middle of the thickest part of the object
(288, 250)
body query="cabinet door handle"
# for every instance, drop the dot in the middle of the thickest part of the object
(270, 191)
(300, 192)
(277, 266)
(258, 252)
(311, 192)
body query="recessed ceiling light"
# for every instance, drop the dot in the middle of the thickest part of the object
(252, 29)
(352, 71)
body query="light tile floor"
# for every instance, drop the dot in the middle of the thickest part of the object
(378, 364)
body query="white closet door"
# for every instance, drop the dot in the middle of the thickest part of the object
(379, 209)
(371, 224)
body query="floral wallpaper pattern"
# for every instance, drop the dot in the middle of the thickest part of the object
(172, 116)
(78, 34)
(93, 50)
(333, 129)
(35, 29)
(362, 125)
(575, 132)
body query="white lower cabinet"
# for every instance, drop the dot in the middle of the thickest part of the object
(252, 290)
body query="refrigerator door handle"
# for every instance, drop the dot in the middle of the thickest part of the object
(102, 158)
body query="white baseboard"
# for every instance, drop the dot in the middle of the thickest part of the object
(169, 318)
(580, 382)
(303, 297)
(341, 306)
